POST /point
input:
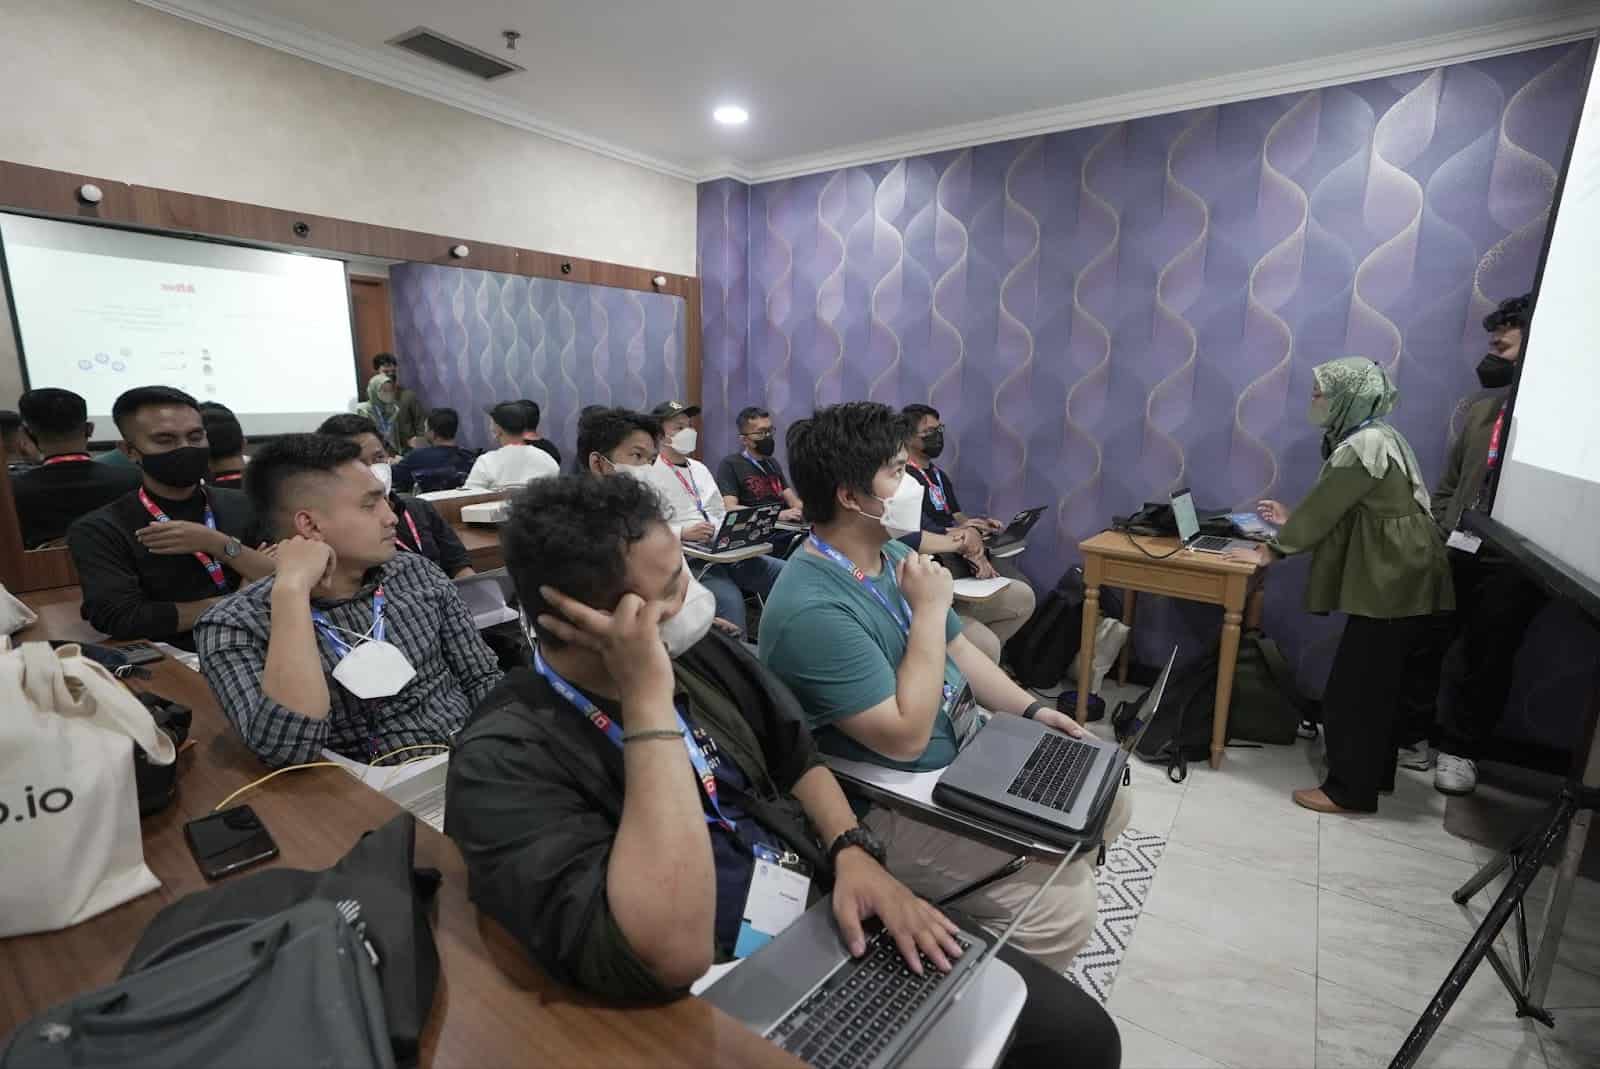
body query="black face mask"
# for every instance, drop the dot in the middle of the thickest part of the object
(184, 466)
(1495, 371)
(765, 446)
(933, 444)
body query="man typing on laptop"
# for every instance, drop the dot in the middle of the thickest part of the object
(861, 629)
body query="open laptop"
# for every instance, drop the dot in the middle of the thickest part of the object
(1016, 531)
(489, 597)
(1189, 529)
(422, 795)
(1022, 775)
(804, 992)
(741, 528)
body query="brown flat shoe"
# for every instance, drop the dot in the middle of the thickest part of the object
(1313, 799)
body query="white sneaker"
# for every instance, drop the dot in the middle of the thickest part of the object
(1418, 758)
(1455, 775)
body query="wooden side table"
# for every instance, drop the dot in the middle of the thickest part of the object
(1150, 565)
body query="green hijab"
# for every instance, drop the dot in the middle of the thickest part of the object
(1356, 394)
(382, 412)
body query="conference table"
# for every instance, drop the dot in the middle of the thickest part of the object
(493, 1006)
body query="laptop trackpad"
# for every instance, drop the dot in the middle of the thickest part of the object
(768, 984)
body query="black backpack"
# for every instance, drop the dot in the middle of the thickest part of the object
(1266, 707)
(1047, 645)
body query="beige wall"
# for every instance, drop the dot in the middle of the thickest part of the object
(111, 88)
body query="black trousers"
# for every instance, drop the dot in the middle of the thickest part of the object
(1495, 605)
(1060, 1024)
(1361, 704)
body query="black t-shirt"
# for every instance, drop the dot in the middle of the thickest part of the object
(752, 482)
(439, 543)
(129, 592)
(50, 496)
(939, 504)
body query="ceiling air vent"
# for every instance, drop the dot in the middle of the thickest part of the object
(436, 46)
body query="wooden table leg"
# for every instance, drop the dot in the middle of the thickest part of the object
(1091, 619)
(1228, 658)
(1255, 608)
(1128, 597)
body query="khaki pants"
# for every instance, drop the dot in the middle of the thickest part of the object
(1003, 614)
(933, 863)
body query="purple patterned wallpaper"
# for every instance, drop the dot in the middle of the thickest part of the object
(1105, 314)
(469, 339)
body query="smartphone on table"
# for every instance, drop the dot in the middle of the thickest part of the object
(228, 841)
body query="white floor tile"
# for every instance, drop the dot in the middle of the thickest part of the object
(1355, 862)
(1420, 829)
(1357, 1031)
(1575, 1043)
(1275, 839)
(1236, 1008)
(1270, 916)
(1143, 1049)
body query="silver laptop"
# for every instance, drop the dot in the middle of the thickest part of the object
(489, 597)
(1022, 775)
(804, 992)
(423, 795)
(1189, 529)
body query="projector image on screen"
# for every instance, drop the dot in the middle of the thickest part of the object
(101, 310)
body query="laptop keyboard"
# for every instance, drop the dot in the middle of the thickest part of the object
(1054, 773)
(1211, 543)
(859, 1010)
(429, 808)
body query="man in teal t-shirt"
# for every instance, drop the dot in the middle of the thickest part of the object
(862, 631)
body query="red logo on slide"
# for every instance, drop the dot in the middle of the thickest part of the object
(177, 287)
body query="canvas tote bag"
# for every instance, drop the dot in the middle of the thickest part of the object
(69, 810)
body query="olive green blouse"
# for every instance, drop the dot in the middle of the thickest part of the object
(1374, 550)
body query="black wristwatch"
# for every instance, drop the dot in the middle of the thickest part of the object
(1032, 710)
(858, 836)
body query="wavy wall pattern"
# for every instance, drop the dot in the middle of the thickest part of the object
(1104, 314)
(468, 339)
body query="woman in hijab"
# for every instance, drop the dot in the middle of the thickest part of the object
(382, 406)
(1375, 556)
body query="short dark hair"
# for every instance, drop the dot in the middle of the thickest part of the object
(842, 446)
(222, 430)
(139, 397)
(348, 425)
(384, 360)
(749, 415)
(284, 459)
(604, 429)
(510, 417)
(53, 411)
(444, 422)
(915, 413)
(531, 410)
(1511, 312)
(10, 422)
(573, 533)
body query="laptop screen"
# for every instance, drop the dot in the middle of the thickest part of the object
(1183, 512)
(1134, 730)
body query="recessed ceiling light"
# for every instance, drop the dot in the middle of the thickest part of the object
(731, 115)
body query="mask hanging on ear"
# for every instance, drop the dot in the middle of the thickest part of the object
(384, 474)
(902, 513)
(690, 623)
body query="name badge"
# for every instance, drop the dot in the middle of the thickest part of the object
(1466, 543)
(374, 669)
(776, 900)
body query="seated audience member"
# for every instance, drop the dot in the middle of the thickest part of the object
(439, 465)
(532, 436)
(1004, 613)
(151, 561)
(752, 476)
(861, 630)
(395, 409)
(574, 790)
(21, 451)
(513, 461)
(67, 483)
(419, 527)
(695, 511)
(352, 646)
(227, 445)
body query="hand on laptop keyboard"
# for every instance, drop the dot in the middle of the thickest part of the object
(864, 889)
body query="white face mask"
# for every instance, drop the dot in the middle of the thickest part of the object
(632, 471)
(902, 513)
(690, 624)
(684, 441)
(374, 670)
(384, 474)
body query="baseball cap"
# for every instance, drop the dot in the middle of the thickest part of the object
(668, 409)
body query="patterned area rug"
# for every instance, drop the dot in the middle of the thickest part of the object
(1122, 883)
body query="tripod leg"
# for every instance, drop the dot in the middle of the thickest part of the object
(1496, 866)
(1555, 916)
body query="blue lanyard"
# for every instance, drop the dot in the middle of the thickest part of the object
(759, 462)
(613, 731)
(902, 618)
(340, 646)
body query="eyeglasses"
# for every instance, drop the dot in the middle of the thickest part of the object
(932, 430)
(759, 436)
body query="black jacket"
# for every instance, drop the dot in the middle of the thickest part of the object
(535, 799)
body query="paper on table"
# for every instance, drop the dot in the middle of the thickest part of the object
(191, 661)
(979, 589)
(390, 774)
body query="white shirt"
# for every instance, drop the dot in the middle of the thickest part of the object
(685, 492)
(509, 466)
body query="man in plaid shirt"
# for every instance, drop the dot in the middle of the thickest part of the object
(270, 652)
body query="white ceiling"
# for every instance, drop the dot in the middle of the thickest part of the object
(835, 82)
